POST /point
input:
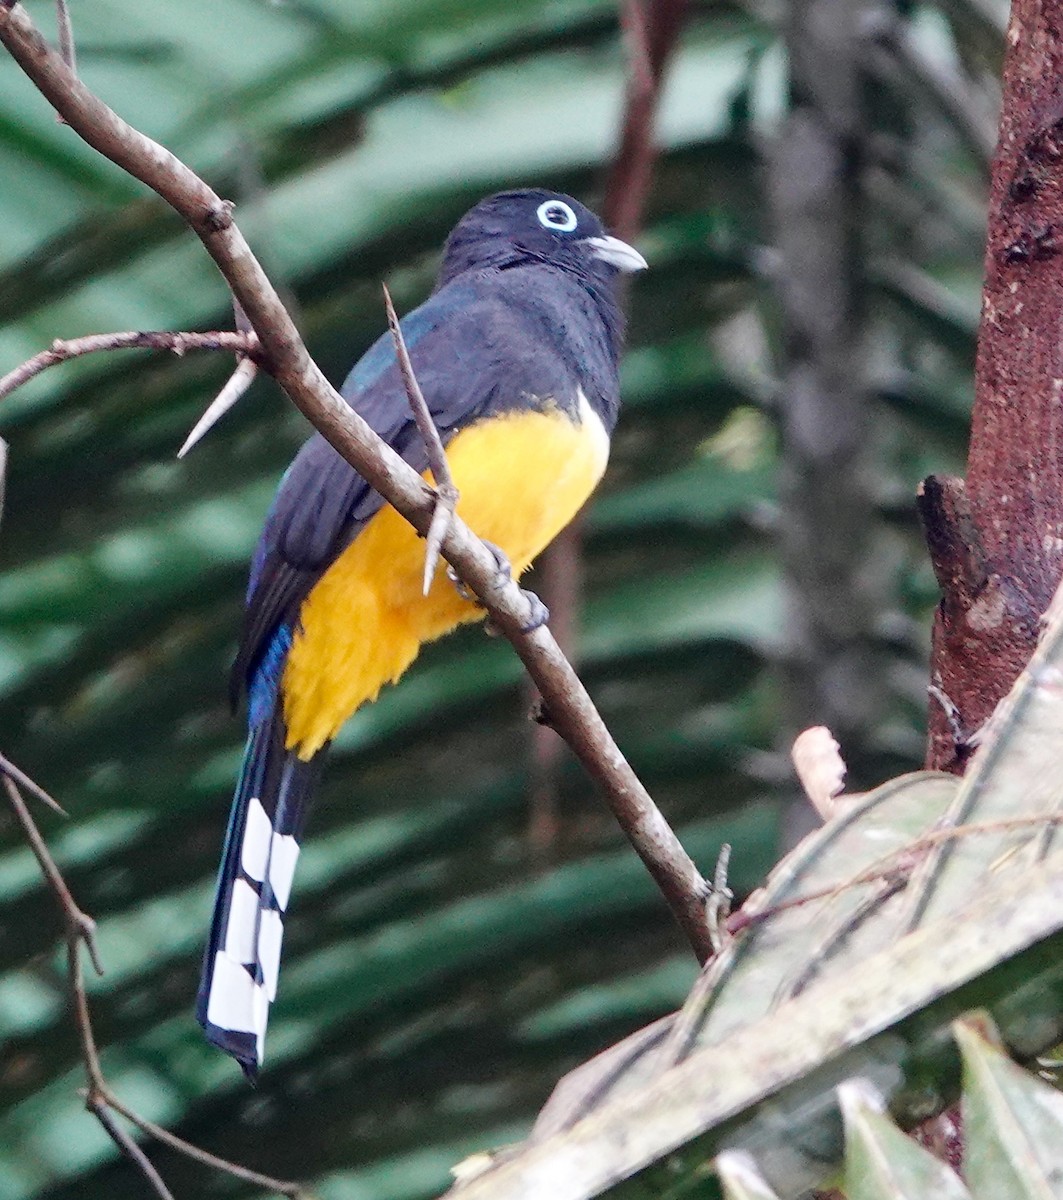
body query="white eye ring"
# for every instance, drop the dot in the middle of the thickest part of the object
(556, 214)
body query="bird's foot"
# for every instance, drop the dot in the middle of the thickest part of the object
(503, 565)
(538, 615)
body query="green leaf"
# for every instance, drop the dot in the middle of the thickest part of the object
(881, 1162)
(1012, 1122)
(740, 1178)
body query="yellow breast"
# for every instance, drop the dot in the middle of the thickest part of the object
(522, 477)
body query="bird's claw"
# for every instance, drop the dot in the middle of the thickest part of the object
(537, 617)
(538, 614)
(502, 563)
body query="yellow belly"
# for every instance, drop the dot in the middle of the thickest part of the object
(522, 478)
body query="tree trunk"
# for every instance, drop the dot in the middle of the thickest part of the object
(997, 543)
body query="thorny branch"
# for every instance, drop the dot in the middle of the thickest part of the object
(210, 217)
(64, 349)
(237, 384)
(100, 1100)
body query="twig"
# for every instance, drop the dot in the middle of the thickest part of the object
(78, 923)
(445, 490)
(294, 1191)
(177, 343)
(99, 1098)
(99, 1109)
(238, 383)
(287, 359)
(8, 768)
(651, 28)
(718, 904)
(891, 865)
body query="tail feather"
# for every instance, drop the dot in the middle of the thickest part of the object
(242, 961)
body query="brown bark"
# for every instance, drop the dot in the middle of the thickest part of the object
(997, 544)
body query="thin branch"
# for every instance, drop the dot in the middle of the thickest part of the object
(100, 1110)
(445, 489)
(99, 1098)
(287, 359)
(8, 768)
(77, 922)
(294, 1191)
(651, 28)
(62, 349)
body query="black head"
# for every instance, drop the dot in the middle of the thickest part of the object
(534, 225)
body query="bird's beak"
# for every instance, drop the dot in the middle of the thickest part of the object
(616, 253)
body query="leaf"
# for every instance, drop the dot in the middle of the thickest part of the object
(1012, 1122)
(740, 1178)
(881, 1163)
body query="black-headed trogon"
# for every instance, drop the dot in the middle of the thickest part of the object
(516, 353)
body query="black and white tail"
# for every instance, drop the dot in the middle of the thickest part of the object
(242, 961)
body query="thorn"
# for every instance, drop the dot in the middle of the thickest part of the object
(238, 383)
(86, 930)
(23, 780)
(446, 494)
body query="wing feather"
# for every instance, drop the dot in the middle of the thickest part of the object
(494, 342)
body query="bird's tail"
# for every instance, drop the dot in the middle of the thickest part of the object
(239, 979)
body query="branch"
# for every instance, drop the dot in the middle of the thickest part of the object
(62, 350)
(100, 1100)
(98, 1107)
(651, 28)
(210, 217)
(8, 768)
(80, 926)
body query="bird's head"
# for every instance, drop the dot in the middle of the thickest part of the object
(535, 225)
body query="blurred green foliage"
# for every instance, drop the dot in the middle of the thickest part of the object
(441, 971)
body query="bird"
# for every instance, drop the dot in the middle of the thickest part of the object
(516, 351)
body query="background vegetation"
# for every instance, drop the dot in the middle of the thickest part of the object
(450, 953)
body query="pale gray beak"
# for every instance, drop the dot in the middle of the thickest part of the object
(616, 253)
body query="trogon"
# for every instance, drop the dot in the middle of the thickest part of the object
(516, 353)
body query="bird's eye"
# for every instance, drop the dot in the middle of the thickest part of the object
(556, 214)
